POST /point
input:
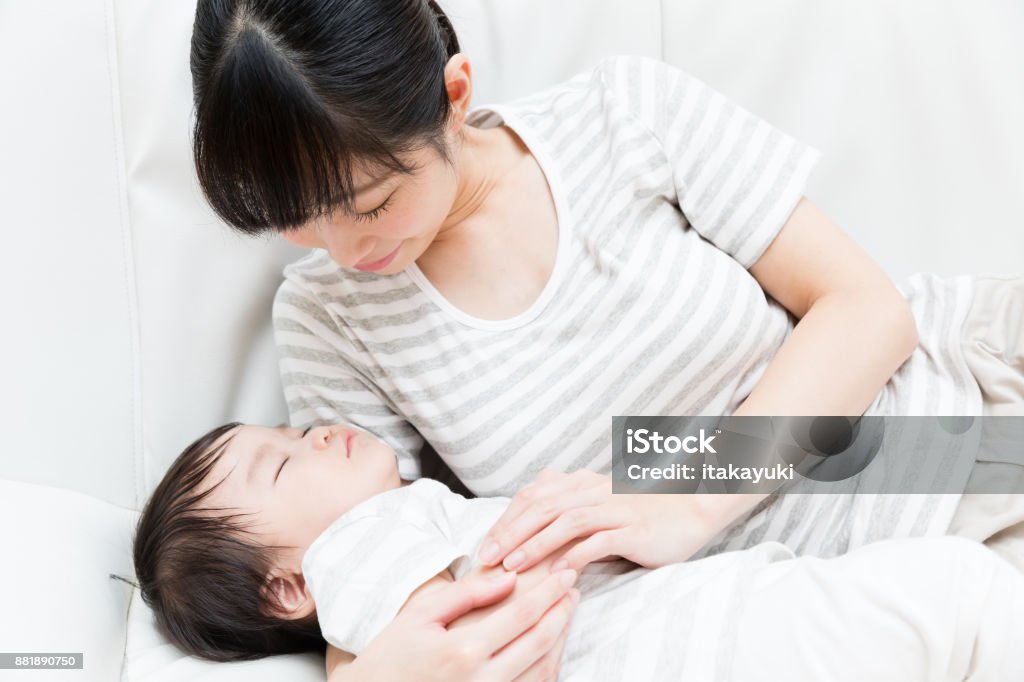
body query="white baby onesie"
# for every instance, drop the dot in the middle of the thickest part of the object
(906, 609)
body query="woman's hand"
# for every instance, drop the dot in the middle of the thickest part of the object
(651, 530)
(519, 641)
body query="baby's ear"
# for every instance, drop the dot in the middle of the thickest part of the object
(288, 597)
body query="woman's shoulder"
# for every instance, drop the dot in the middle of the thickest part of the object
(302, 282)
(313, 261)
(638, 80)
(625, 68)
(623, 83)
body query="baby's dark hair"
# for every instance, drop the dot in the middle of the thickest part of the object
(204, 576)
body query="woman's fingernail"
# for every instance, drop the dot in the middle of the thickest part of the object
(560, 565)
(574, 594)
(513, 560)
(567, 578)
(489, 552)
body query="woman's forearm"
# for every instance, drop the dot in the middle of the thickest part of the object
(838, 357)
(835, 362)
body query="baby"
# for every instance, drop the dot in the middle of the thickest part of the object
(263, 540)
(229, 543)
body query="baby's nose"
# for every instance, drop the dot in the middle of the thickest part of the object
(321, 436)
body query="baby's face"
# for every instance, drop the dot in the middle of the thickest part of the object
(296, 483)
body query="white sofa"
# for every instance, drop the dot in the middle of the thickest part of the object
(133, 320)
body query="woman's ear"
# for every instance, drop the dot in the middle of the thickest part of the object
(289, 598)
(458, 80)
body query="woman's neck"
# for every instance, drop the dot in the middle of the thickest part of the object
(483, 160)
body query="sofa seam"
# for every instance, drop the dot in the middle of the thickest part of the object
(127, 623)
(130, 281)
(127, 244)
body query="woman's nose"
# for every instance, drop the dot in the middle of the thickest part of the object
(348, 254)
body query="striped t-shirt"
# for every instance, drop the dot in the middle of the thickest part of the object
(665, 191)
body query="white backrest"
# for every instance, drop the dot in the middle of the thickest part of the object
(916, 106)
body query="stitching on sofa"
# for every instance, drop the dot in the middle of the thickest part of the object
(131, 291)
(127, 632)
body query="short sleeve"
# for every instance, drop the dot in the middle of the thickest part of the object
(324, 382)
(737, 178)
(361, 571)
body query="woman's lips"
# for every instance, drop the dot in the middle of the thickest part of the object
(379, 264)
(348, 444)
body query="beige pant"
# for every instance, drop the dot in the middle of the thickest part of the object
(993, 344)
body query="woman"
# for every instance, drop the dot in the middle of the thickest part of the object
(496, 283)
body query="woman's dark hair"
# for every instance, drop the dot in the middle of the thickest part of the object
(291, 95)
(204, 579)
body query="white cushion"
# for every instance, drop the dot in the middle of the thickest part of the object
(150, 657)
(61, 548)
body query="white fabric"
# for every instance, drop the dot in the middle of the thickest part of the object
(882, 612)
(400, 538)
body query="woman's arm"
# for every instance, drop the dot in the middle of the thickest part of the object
(855, 329)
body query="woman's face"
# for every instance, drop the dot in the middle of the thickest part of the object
(397, 217)
(294, 483)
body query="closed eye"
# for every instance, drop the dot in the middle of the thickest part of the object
(375, 213)
(285, 461)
